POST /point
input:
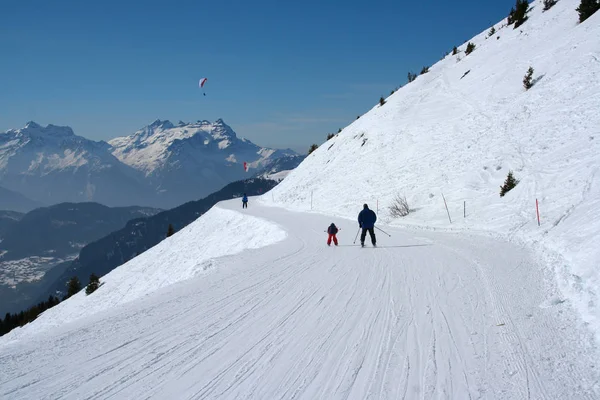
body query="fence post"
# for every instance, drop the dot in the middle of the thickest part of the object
(537, 210)
(311, 196)
(446, 208)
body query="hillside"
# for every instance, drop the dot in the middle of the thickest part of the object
(34, 246)
(459, 135)
(10, 200)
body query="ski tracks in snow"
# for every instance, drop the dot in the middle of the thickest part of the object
(455, 317)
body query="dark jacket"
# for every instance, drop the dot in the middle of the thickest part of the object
(245, 199)
(332, 230)
(367, 218)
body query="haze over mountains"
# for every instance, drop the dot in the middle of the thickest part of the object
(161, 165)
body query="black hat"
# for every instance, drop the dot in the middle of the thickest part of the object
(365, 205)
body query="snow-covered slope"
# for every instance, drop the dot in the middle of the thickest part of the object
(51, 164)
(459, 135)
(426, 315)
(191, 160)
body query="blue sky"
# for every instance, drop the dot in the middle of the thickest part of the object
(282, 74)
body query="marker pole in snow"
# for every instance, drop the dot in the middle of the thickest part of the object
(537, 210)
(464, 209)
(446, 208)
(311, 193)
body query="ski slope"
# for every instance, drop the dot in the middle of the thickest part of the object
(424, 315)
(453, 134)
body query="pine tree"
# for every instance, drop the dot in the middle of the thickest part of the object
(492, 31)
(470, 48)
(511, 17)
(381, 101)
(509, 183)
(454, 51)
(424, 70)
(170, 230)
(548, 4)
(587, 8)
(330, 135)
(74, 286)
(527, 82)
(520, 14)
(312, 148)
(93, 285)
(411, 76)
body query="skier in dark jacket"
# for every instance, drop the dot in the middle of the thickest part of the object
(245, 201)
(366, 221)
(332, 231)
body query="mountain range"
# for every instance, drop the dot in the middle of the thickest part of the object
(161, 165)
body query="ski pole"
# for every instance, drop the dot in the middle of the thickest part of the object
(356, 236)
(384, 231)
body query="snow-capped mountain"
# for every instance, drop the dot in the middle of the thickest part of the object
(191, 160)
(160, 165)
(51, 165)
(279, 168)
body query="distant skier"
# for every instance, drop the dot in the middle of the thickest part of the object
(245, 201)
(366, 221)
(332, 231)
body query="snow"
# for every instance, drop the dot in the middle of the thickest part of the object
(443, 134)
(156, 146)
(251, 303)
(188, 253)
(425, 315)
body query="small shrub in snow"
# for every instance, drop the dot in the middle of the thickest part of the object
(312, 148)
(330, 135)
(93, 285)
(509, 183)
(470, 48)
(492, 31)
(424, 70)
(381, 101)
(527, 80)
(399, 207)
(454, 51)
(587, 8)
(548, 4)
(411, 76)
(339, 130)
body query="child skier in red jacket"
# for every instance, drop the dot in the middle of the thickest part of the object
(332, 231)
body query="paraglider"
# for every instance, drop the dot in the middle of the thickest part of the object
(201, 84)
(245, 166)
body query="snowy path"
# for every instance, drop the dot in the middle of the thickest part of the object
(427, 316)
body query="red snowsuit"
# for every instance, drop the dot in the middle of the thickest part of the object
(332, 231)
